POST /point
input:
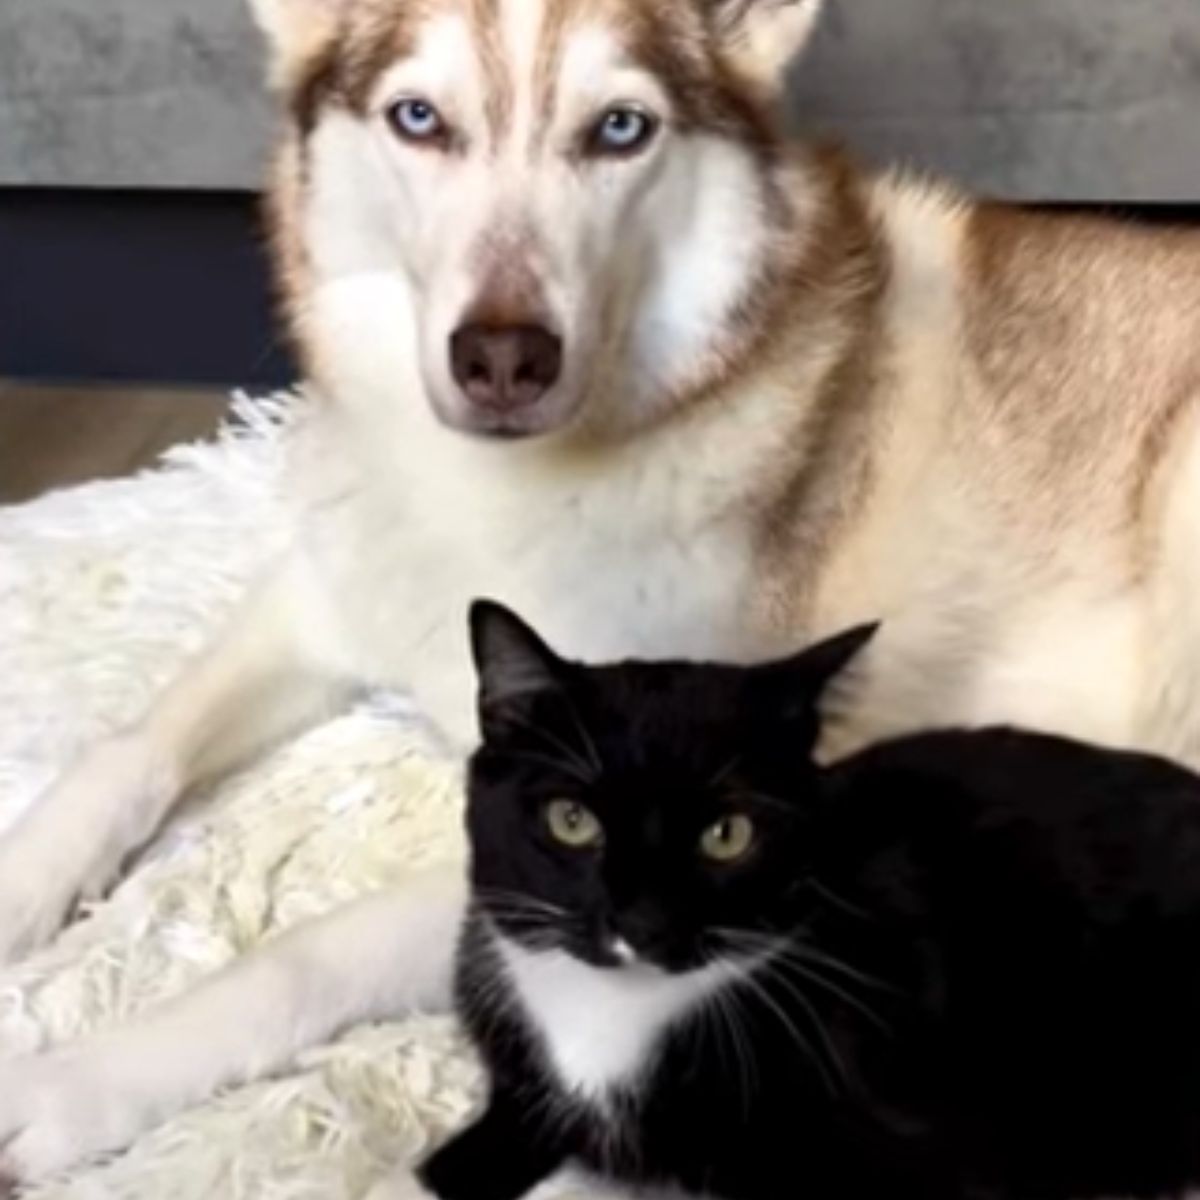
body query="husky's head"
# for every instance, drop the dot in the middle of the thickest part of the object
(532, 213)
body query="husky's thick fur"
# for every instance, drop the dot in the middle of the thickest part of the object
(593, 338)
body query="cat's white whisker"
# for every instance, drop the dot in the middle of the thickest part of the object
(772, 954)
(803, 959)
(808, 975)
(814, 1016)
(495, 898)
(830, 896)
(812, 954)
(769, 1001)
(728, 1021)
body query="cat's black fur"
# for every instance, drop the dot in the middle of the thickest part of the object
(1007, 927)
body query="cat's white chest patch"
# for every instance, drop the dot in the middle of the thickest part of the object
(602, 1027)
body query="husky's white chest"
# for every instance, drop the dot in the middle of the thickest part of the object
(602, 1028)
(639, 560)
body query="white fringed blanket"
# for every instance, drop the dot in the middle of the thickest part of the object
(103, 589)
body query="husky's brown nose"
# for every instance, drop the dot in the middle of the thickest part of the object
(503, 367)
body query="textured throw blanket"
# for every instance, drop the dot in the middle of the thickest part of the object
(103, 589)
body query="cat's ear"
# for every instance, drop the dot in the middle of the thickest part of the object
(822, 662)
(512, 663)
(793, 687)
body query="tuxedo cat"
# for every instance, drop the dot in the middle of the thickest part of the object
(963, 964)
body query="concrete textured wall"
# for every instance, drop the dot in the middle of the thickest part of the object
(1034, 99)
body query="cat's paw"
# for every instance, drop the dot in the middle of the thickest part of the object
(62, 1108)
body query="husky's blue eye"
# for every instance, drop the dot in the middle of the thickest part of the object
(622, 130)
(416, 120)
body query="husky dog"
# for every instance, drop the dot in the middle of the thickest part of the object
(591, 335)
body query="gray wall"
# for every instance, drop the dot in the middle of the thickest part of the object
(141, 93)
(1037, 99)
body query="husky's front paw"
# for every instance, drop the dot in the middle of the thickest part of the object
(73, 841)
(59, 1109)
(39, 884)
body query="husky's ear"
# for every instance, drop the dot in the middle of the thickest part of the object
(762, 37)
(297, 30)
(512, 663)
(789, 692)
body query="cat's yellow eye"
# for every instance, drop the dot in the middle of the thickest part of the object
(729, 839)
(574, 824)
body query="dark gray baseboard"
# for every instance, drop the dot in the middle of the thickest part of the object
(162, 287)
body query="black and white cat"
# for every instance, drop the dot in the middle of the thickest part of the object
(957, 965)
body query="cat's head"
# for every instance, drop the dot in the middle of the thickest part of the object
(650, 812)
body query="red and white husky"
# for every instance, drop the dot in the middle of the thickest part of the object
(592, 337)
